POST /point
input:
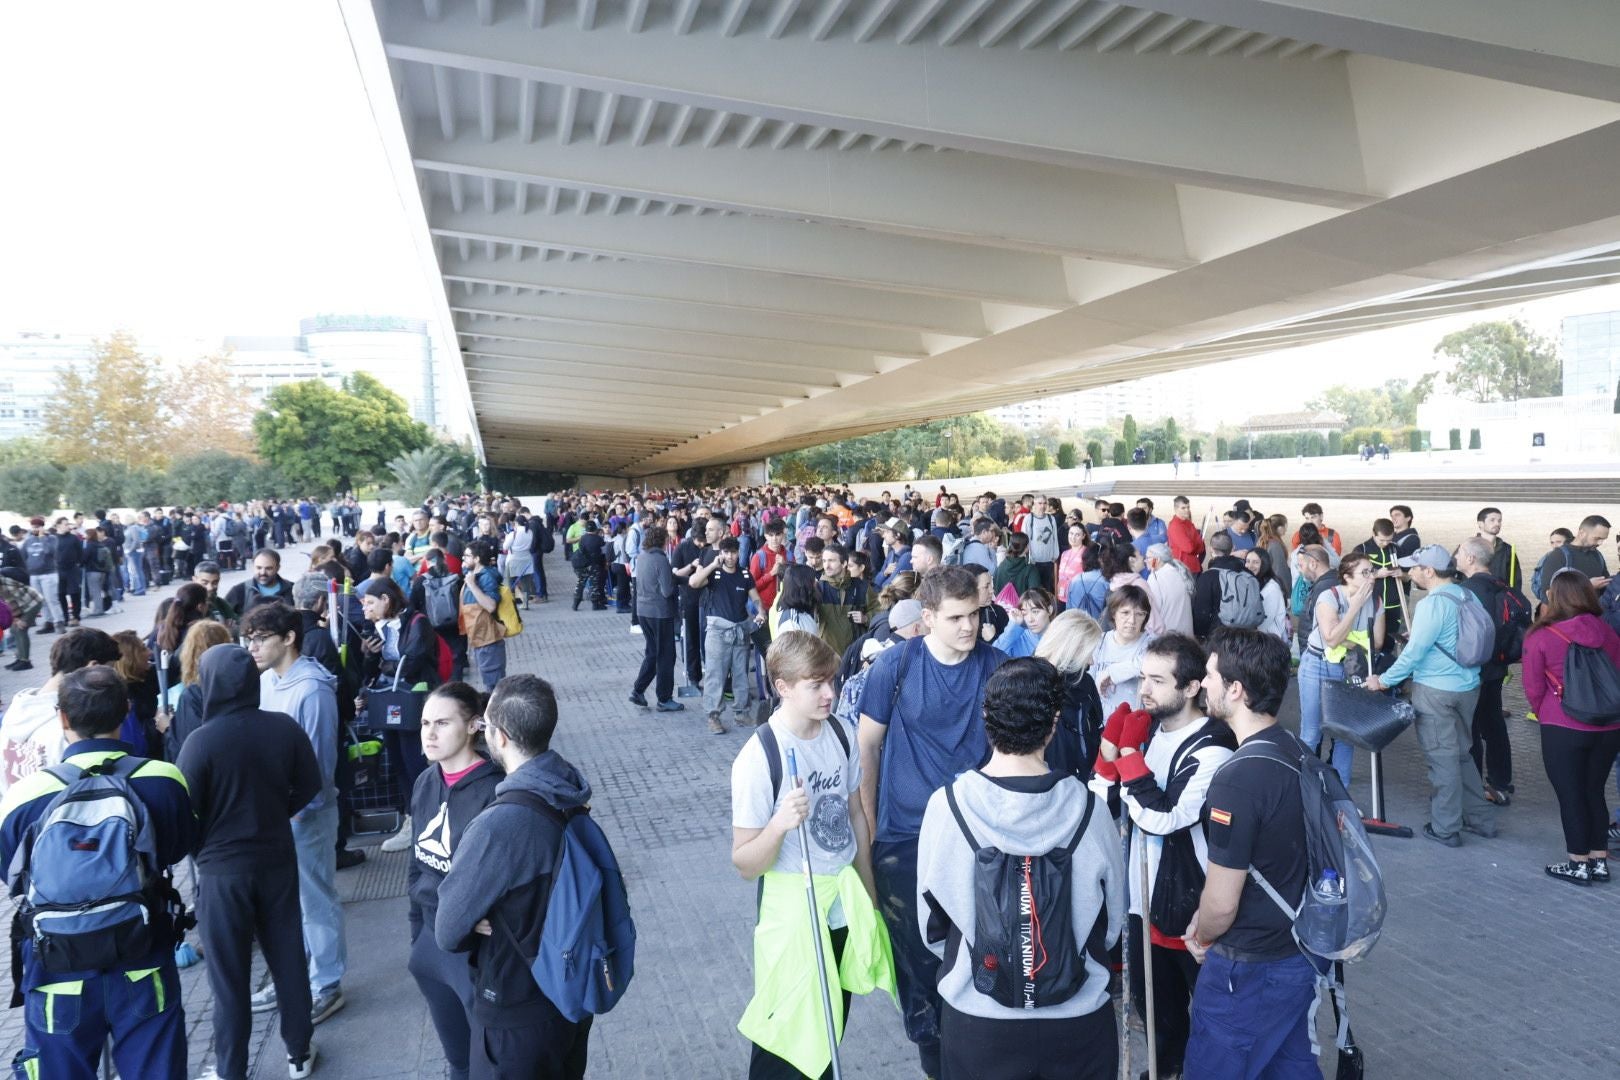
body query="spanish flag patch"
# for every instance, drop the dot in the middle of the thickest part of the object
(1220, 817)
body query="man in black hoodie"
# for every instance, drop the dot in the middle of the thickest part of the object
(1206, 605)
(249, 771)
(497, 888)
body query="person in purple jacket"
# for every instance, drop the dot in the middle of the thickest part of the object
(1578, 755)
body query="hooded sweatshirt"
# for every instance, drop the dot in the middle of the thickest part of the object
(503, 869)
(31, 735)
(249, 770)
(308, 694)
(1544, 656)
(440, 815)
(1018, 815)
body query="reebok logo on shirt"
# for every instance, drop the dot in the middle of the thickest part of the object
(433, 842)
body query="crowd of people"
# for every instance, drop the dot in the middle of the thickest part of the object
(960, 708)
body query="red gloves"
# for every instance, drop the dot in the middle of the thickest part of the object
(1111, 725)
(1105, 769)
(1133, 730)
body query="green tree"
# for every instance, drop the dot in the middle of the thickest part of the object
(1067, 456)
(115, 411)
(420, 473)
(1501, 361)
(1128, 434)
(23, 449)
(1221, 448)
(1122, 456)
(1040, 462)
(1473, 438)
(146, 487)
(1335, 443)
(1094, 449)
(1195, 447)
(1456, 438)
(324, 440)
(1414, 440)
(33, 487)
(209, 477)
(1014, 445)
(95, 485)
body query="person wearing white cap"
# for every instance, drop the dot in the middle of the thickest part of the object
(1444, 693)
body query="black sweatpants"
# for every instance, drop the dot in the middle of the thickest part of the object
(1175, 973)
(446, 984)
(1492, 753)
(1078, 1048)
(550, 1049)
(692, 634)
(1578, 764)
(233, 911)
(658, 658)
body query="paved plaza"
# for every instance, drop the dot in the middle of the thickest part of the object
(1486, 969)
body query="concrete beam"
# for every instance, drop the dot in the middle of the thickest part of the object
(971, 198)
(1572, 46)
(724, 290)
(761, 374)
(1283, 131)
(856, 257)
(663, 315)
(497, 363)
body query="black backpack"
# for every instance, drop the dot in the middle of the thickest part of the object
(1023, 950)
(1590, 691)
(1510, 611)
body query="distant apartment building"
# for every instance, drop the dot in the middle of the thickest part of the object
(397, 352)
(1154, 398)
(29, 362)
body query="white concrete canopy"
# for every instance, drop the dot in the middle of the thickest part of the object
(676, 233)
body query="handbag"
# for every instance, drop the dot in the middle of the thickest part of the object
(395, 709)
(1363, 718)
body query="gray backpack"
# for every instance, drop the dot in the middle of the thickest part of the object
(1240, 599)
(1476, 633)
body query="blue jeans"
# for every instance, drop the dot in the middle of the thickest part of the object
(315, 837)
(490, 660)
(135, 572)
(1248, 1021)
(1313, 672)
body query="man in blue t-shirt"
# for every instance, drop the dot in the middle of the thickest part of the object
(921, 724)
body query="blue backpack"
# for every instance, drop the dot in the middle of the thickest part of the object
(588, 941)
(1089, 593)
(87, 872)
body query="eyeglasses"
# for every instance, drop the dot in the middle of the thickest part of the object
(254, 641)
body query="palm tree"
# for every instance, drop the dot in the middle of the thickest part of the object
(420, 473)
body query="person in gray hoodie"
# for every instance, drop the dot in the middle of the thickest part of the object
(295, 684)
(492, 903)
(655, 613)
(1016, 805)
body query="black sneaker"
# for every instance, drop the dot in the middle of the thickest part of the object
(350, 857)
(1599, 869)
(638, 698)
(1448, 839)
(1487, 829)
(20, 665)
(1576, 873)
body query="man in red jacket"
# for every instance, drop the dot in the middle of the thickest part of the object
(1186, 541)
(765, 566)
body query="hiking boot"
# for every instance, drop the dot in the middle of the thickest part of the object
(265, 1000)
(1448, 839)
(350, 857)
(298, 1068)
(401, 839)
(638, 698)
(671, 706)
(325, 1004)
(1576, 873)
(1599, 869)
(715, 725)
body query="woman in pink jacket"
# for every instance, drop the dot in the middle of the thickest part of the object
(1578, 755)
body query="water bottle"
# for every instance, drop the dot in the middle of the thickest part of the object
(1328, 888)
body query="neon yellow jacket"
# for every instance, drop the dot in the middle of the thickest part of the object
(785, 1015)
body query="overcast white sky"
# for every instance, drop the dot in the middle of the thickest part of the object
(194, 169)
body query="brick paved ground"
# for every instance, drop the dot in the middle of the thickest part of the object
(1487, 968)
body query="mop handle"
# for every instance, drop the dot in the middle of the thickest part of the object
(815, 926)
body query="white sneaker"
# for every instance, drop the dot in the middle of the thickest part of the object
(299, 1068)
(400, 840)
(636, 630)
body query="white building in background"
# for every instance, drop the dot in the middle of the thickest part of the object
(1566, 428)
(1590, 350)
(1148, 400)
(397, 352)
(29, 362)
